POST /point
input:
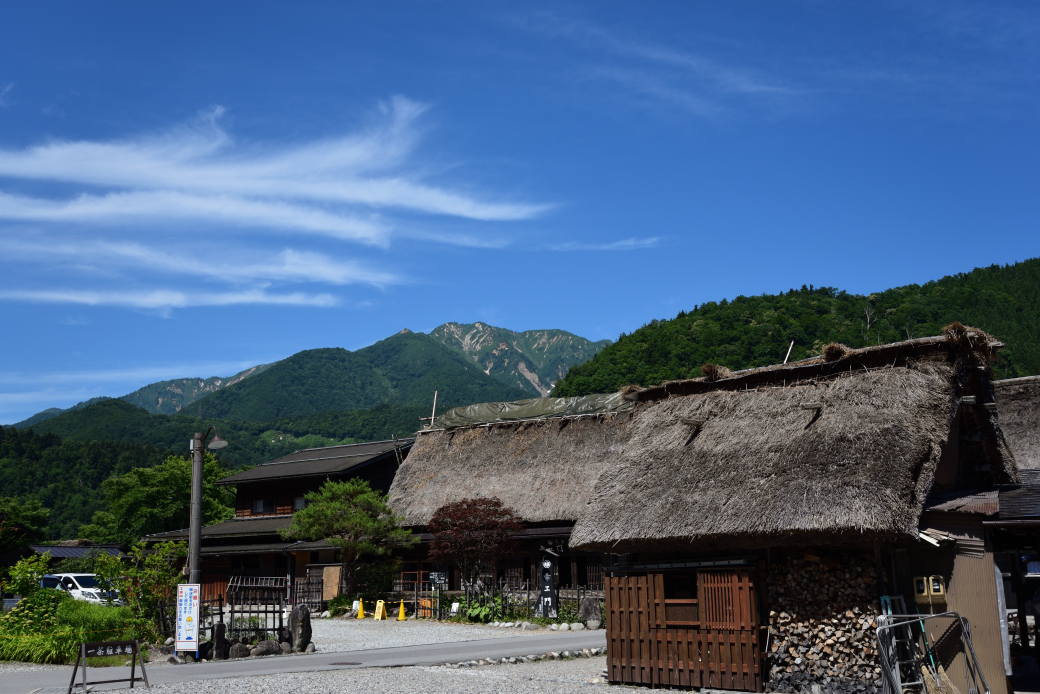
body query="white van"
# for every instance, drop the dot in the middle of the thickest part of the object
(86, 587)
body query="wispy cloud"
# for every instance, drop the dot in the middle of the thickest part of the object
(5, 95)
(142, 374)
(165, 299)
(126, 210)
(331, 186)
(287, 266)
(695, 82)
(629, 244)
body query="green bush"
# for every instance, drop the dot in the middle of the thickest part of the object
(48, 626)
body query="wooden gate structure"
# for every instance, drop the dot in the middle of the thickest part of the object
(711, 640)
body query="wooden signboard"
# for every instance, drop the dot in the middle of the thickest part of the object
(107, 648)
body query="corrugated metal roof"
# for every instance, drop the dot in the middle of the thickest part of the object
(320, 461)
(1022, 501)
(982, 502)
(64, 552)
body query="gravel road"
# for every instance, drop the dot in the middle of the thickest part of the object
(339, 635)
(545, 676)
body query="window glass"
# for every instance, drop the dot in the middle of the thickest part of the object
(299, 503)
(50, 583)
(87, 581)
(263, 506)
(68, 583)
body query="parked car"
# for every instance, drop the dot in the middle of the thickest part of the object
(81, 587)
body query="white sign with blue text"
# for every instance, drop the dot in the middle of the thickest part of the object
(188, 617)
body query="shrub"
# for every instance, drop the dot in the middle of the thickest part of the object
(26, 574)
(48, 626)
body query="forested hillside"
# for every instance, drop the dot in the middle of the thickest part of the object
(66, 476)
(63, 461)
(249, 443)
(756, 330)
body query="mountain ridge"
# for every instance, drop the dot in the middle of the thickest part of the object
(524, 365)
(531, 359)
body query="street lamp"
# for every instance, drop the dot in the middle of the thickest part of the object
(198, 443)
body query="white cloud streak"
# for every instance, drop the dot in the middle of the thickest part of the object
(331, 186)
(143, 374)
(629, 244)
(288, 266)
(165, 299)
(5, 95)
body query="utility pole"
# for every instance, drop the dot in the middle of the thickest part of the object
(198, 446)
(195, 524)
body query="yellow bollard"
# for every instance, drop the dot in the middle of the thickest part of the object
(400, 613)
(361, 609)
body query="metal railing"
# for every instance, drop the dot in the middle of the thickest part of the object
(901, 648)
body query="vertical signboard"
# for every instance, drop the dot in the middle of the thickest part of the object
(188, 617)
(548, 599)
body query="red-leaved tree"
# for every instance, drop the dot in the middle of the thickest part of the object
(472, 533)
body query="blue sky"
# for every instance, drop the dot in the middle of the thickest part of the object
(190, 189)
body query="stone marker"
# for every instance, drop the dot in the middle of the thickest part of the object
(300, 628)
(577, 626)
(310, 647)
(220, 641)
(590, 610)
(565, 627)
(286, 647)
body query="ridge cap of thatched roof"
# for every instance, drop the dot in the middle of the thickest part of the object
(1015, 381)
(878, 355)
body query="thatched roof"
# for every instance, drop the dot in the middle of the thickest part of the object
(838, 446)
(1018, 400)
(544, 470)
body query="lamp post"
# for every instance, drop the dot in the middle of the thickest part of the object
(198, 443)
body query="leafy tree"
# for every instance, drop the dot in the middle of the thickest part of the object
(146, 579)
(24, 577)
(471, 534)
(158, 499)
(353, 517)
(21, 522)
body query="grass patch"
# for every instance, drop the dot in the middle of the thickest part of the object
(48, 626)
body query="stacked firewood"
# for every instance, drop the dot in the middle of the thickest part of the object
(821, 624)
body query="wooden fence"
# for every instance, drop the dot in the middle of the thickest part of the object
(710, 641)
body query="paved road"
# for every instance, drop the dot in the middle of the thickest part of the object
(433, 654)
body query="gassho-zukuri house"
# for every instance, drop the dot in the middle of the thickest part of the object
(747, 523)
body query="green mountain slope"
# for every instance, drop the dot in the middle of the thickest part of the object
(757, 330)
(533, 360)
(404, 369)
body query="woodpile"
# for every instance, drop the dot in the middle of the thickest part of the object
(822, 619)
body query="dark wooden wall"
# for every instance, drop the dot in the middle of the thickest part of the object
(710, 640)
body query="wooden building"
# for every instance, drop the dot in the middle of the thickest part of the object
(749, 522)
(265, 499)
